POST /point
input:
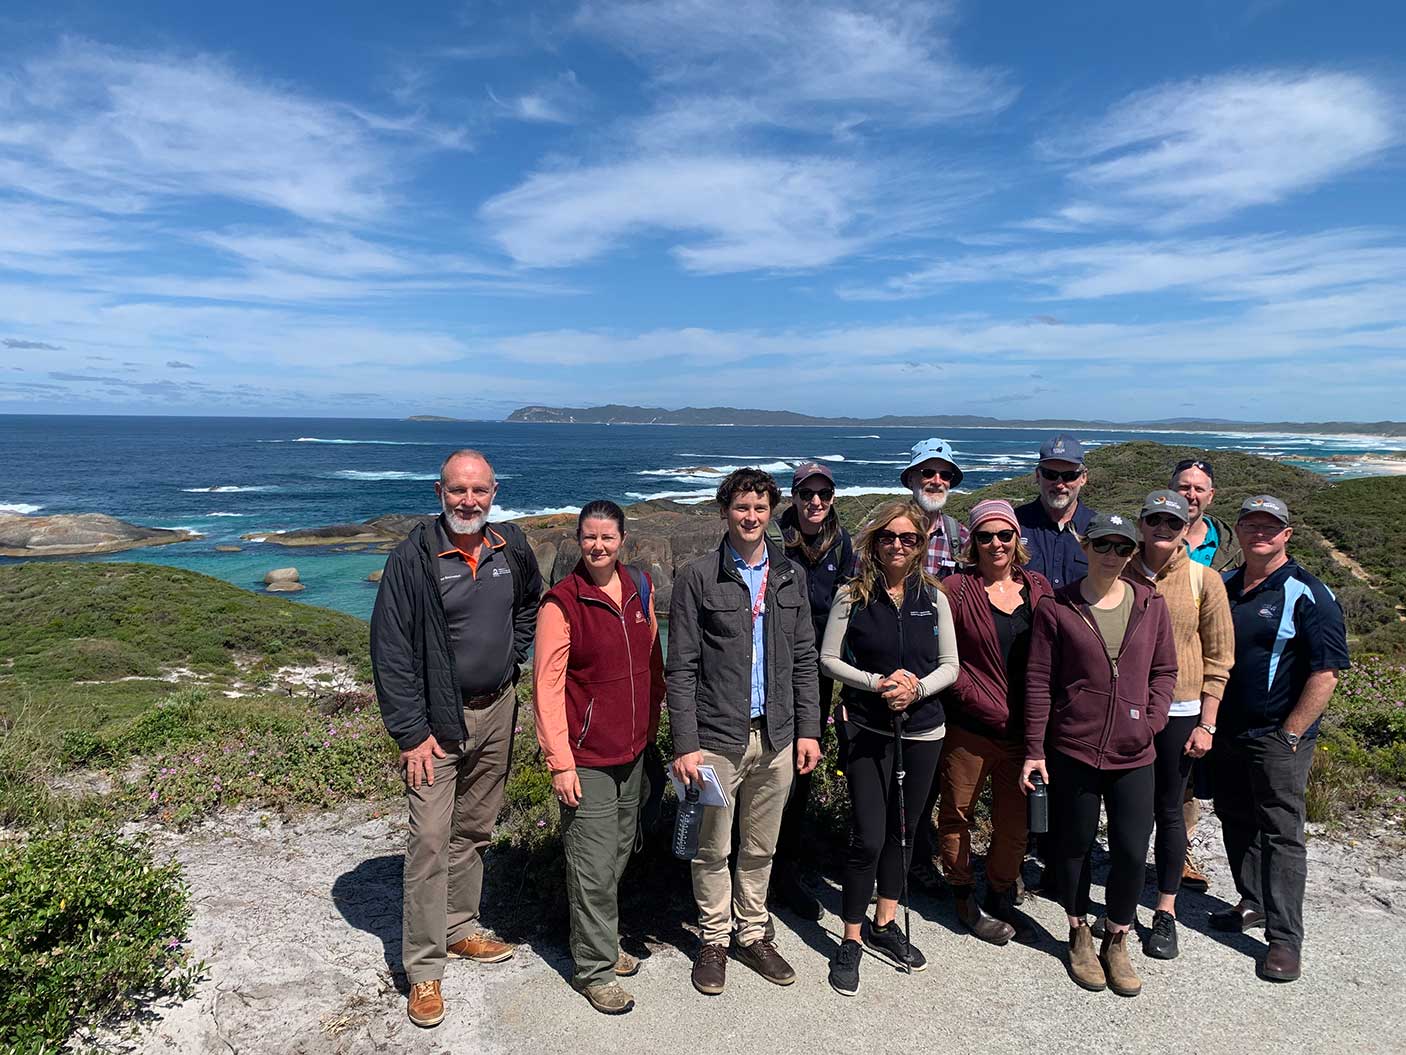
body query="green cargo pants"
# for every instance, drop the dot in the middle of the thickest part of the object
(598, 837)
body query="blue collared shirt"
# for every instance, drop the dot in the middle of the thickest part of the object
(752, 575)
(1054, 550)
(1206, 552)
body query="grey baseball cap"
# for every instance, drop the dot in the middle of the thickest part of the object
(1166, 502)
(1275, 507)
(1062, 448)
(1104, 524)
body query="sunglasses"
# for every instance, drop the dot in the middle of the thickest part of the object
(825, 494)
(1121, 547)
(984, 538)
(1068, 476)
(946, 475)
(1156, 520)
(907, 539)
(1194, 463)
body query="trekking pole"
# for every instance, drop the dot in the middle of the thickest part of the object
(902, 827)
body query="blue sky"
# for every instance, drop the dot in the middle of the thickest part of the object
(1103, 209)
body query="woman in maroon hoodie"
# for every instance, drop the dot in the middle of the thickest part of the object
(993, 600)
(1103, 665)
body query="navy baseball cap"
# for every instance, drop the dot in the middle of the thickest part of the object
(1062, 448)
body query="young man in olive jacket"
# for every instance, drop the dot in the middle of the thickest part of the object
(743, 689)
(453, 622)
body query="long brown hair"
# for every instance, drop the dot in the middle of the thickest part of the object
(869, 581)
(812, 547)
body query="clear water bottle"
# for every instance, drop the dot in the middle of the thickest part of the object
(1037, 804)
(688, 826)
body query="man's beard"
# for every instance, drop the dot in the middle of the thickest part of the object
(1060, 502)
(460, 526)
(929, 503)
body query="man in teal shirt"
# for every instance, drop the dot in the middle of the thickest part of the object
(1208, 541)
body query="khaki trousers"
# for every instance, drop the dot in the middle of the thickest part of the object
(968, 761)
(451, 822)
(758, 781)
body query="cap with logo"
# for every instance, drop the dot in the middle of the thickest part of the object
(926, 451)
(1166, 502)
(1275, 507)
(808, 469)
(1104, 524)
(1062, 448)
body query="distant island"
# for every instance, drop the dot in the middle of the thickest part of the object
(431, 417)
(618, 414)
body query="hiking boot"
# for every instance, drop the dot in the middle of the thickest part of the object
(1084, 966)
(626, 965)
(608, 999)
(1280, 963)
(891, 941)
(1161, 944)
(426, 1005)
(925, 877)
(1242, 918)
(710, 970)
(978, 922)
(787, 887)
(763, 958)
(481, 948)
(1192, 878)
(844, 968)
(1001, 905)
(1117, 968)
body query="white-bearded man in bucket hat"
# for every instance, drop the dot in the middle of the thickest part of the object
(931, 473)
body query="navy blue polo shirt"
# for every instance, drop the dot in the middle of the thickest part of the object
(1054, 551)
(1286, 628)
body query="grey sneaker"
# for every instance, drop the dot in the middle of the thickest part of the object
(608, 999)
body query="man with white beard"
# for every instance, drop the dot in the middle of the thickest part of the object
(1048, 525)
(930, 475)
(454, 619)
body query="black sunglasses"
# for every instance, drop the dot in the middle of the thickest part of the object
(1194, 463)
(908, 539)
(1156, 520)
(1123, 548)
(947, 475)
(1068, 476)
(984, 538)
(825, 494)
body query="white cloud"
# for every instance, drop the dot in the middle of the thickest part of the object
(1198, 151)
(558, 101)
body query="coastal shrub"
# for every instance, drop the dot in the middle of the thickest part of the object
(93, 659)
(89, 925)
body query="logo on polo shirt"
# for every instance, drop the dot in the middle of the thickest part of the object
(1269, 611)
(502, 571)
(451, 578)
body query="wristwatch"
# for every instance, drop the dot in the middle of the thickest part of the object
(1292, 739)
(1210, 729)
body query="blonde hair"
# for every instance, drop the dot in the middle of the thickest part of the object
(869, 581)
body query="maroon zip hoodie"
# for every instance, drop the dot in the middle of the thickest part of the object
(980, 694)
(1080, 703)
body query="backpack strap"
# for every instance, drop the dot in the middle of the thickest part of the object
(643, 585)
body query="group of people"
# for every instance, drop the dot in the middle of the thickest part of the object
(1099, 654)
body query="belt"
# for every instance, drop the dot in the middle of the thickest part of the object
(759, 722)
(485, 699)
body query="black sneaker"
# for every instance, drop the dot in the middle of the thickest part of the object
(844, 968)
(890, 941)
(1161, 944)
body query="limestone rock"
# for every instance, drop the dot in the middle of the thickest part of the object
(74, 534)
(280, 575)
(284, 586)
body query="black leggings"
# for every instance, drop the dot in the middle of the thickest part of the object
(1076, 790)
(1173, 767)
(873, 831)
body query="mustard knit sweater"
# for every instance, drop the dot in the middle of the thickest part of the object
(1204, 633)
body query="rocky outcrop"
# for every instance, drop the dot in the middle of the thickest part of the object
(284, 587)
(76, 534)
(383, 529)
(280, 575)
(375, 576)
(228, 549)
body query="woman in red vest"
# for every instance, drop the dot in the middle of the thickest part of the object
(598, 687)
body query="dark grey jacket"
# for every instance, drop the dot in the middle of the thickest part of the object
(709, 667)
(411, 655)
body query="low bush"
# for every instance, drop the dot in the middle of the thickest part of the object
(89, 924)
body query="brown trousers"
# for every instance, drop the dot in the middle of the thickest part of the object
(968, 759)
(451, 822)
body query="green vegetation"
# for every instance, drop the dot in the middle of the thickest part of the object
(89, 924)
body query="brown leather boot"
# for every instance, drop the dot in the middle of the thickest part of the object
(1084, 966)
(984, 926)
(426, 1005)
(1117, 968)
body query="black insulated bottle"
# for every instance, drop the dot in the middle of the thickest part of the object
(1037, 805)
(688, 826)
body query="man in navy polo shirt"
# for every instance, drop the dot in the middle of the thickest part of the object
(1290, 643)
(1048, 524)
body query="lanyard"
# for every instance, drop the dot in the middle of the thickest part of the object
(759, 605)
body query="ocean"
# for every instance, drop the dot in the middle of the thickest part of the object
(228, 477)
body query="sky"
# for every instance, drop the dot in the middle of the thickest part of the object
(1128, 211)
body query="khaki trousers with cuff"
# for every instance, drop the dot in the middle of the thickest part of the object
(758, 782)
(451, 822)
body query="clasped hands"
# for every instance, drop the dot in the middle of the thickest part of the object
(900, 690)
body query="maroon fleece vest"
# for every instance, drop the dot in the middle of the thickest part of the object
(607, 670)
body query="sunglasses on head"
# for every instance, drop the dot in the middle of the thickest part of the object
(1193, 463)
(1122, 547)
(946, 475)
(825, 494)
(906, 539)
(1156, 520)
(984, 538)
(1067, 475)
